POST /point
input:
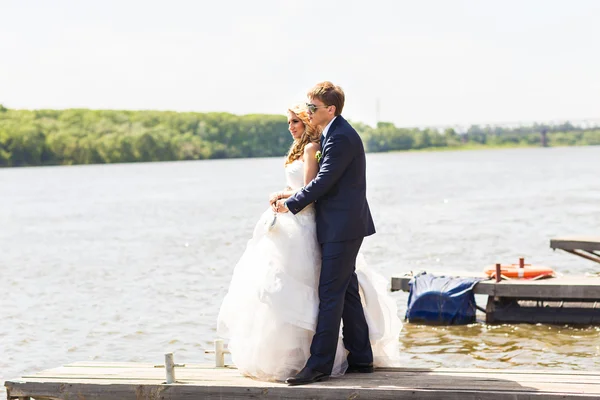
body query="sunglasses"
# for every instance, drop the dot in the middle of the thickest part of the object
(312, 108)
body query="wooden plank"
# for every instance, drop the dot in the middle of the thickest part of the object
(114, 364)
(510, 310)
(587, 243)
(128, 381)
(365, 388)
(218, 375)
(582, 246)
(588, 255)
(120, 364)
(554, 288)
(383, 390)
(574, 288)
(316, 391)
(233, 370)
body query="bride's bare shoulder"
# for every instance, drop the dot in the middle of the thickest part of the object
(312, 148)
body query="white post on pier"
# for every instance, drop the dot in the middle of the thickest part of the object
(219, 353)
(170, 368)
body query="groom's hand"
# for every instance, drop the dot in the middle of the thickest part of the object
(281, 207)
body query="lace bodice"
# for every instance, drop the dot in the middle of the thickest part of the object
(294, 174)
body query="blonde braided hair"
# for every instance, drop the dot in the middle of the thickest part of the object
(310, 135)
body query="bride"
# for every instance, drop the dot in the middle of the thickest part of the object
(269, 314)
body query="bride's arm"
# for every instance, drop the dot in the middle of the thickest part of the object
(311, 168)
(284, 194)
(311, 164)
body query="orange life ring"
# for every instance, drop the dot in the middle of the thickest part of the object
(515, 271)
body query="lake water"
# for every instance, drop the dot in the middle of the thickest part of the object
(127, 262)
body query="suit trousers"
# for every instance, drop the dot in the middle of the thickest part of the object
(339, 300)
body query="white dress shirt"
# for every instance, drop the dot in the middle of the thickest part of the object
(327, 128)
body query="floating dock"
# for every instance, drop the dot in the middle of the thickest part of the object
(137, 381)
(562, 300)
(554, 300)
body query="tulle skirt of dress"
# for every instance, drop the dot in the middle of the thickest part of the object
(270, 311)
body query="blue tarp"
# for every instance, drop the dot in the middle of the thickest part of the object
(441, 300)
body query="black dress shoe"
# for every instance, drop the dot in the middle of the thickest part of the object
(307, 375)
(360, 368)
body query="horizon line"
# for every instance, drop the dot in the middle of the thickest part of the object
(593, 122)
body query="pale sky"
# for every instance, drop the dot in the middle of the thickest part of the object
(429, 62)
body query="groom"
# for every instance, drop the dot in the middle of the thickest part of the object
(343, 220)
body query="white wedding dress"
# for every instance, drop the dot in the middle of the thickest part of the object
(270, 311)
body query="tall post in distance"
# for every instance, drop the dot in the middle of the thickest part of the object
(544, 139)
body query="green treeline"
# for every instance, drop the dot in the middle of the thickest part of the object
(387, 137)
(81, 136)
(78, 136)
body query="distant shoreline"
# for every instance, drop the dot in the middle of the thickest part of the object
(488, 147)
(83, 136)
(471, 147)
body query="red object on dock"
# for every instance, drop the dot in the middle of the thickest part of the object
(518, 271)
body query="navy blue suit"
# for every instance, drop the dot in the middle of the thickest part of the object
(343, 220)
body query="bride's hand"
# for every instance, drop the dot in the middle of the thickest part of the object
(273, 198)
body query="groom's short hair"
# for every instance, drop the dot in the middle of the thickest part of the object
(329, 94)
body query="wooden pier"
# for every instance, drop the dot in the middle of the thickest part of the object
(583, 246)
(573, 300)
(115, 381)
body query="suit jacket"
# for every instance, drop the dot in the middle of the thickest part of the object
(339, 190)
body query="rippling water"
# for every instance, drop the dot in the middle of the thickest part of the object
(127, 262)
